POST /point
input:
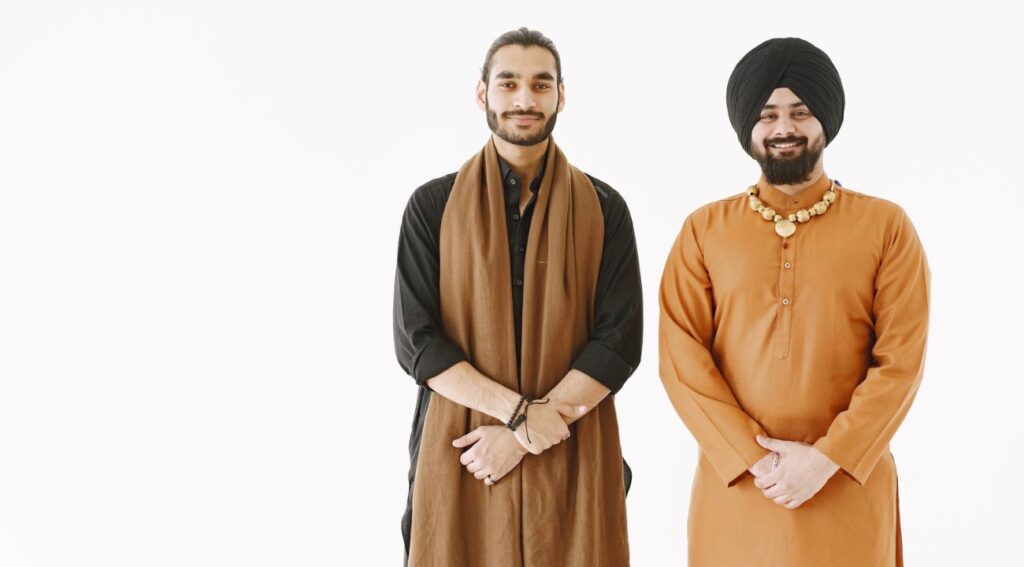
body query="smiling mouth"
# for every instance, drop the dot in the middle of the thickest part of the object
(789, 145)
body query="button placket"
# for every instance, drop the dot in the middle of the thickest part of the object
(787, 291)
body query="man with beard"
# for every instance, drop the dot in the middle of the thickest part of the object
(517, 311)
(792, 337)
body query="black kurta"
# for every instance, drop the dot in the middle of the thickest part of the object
(611, 355)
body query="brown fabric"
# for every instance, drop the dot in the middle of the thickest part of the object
(837, 365)
(565, 507)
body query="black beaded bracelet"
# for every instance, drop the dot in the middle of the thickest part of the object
(516, 419)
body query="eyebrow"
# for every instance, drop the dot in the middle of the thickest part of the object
(774, 106)
(542, 76)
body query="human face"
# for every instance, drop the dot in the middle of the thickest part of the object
(522, 96)
(787, 139)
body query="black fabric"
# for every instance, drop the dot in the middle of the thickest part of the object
(785, 62)
(611, 355)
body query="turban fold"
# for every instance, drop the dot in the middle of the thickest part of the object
(784, 62)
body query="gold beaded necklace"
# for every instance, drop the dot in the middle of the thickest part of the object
(786, 226)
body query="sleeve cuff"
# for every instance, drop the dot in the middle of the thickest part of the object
(603, 365)
(435, 358)
(847, 465)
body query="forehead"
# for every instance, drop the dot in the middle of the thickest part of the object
(523, 61)
(783, 97)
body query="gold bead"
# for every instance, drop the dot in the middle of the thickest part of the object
(830, 196)
(754, 202)
(803, 216)
(767, 213)
(777, 218)
(820, 207)
(792, 218)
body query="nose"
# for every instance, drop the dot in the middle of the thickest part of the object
(523, 98)
(784, 127)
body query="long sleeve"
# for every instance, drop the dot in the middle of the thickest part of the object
(858, 436)
(701, 396)
(420, 345)
(613, 351)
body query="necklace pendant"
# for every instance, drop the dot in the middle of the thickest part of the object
(785, 228)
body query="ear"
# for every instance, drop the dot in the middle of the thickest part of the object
(561, 96)
(481, 94)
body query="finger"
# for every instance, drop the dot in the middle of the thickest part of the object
(774, 491)
(481, 474)
(469, 438)
(569, 410)
(768, 479)
(771, 444)
(794, 503)
(467, 457)
(781, 500)
(474, 467)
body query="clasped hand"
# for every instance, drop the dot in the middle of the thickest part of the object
(802, 471)
(494, 450)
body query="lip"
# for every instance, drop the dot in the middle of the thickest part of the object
(786, 148)
(523, 119)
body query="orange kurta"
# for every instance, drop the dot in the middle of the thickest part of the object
(818, 338)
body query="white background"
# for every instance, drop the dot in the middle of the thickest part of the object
(199, 210)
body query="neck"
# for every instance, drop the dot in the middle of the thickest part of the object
(525, 161)
(816, 173)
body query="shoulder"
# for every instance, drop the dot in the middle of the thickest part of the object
(427, 202)
(612, 202)
(434, 192)
(889, 213)
(706, 214)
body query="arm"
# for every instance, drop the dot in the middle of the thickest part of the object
(422, 349)
(702, 398)
(613, 352)
(859, 436)
(420, 344)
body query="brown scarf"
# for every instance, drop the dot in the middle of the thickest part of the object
(565, 507)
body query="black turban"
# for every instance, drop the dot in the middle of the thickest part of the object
(785, 62)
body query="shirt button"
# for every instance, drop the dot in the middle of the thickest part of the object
(522, 249)
(785, 245)
(512, 181)
(785, 301)
(515, 216)
(788, 265)
(519, 282)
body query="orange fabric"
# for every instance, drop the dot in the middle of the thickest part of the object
(567, 506)
(836, 366)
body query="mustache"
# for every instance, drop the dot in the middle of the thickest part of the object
(522, 113)
(788, 139)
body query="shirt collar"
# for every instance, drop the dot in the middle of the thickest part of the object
(506, 171)
(783, 202)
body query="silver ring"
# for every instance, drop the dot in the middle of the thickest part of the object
(490, 479)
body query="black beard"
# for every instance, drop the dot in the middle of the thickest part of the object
(788, 170)
(513, 138)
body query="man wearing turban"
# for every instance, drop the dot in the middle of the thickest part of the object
(792, 337)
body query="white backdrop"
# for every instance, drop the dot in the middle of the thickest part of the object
(199, 209)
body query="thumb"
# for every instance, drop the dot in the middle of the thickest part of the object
(771, 444)
(570, 410)
(468, 439)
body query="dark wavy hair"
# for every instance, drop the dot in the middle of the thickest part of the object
(526, 38)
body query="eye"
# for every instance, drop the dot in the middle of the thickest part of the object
(801, 114)
(506, 84)
(543, 86)
(768, 117)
